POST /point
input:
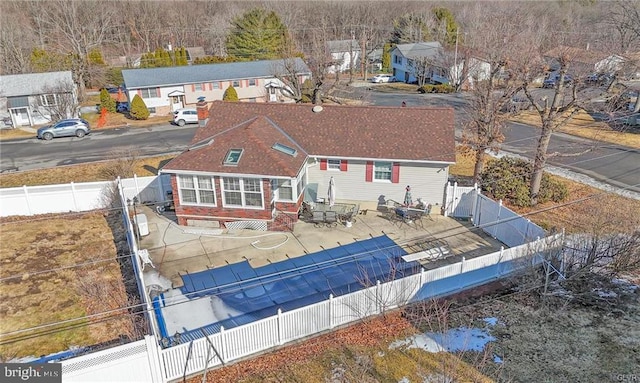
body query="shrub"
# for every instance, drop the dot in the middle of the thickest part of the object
(441, 88)
(138, 110)
(508, 179)
(106, 102)
(230, 94)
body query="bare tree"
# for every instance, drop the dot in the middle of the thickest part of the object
(77, 27)
(624, 19)
(16, 40)
(62, 100)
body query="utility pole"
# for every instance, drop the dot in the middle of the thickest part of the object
(455, 60)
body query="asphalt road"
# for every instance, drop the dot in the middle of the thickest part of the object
(31, 153)
(613, 164)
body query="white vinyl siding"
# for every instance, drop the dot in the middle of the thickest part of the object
(197, 190)
(242, 192)
(427, 182)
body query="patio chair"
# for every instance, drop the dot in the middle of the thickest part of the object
(331, 218)
(317, 218)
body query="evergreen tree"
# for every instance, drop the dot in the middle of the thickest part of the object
(386, 56)
(257, 35)
(47, 61)
(138, 108)
(107, 102)
(447, 28)
(95, 57)
(181, 56)
(230, 94)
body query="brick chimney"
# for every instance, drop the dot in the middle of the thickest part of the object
(203, 111)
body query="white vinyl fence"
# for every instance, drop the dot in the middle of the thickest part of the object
(494, 219)
(86, 196)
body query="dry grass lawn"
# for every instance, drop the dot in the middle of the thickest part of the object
(78, 173)
(583, 125)
(41, 284)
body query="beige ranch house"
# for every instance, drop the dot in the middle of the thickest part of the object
(255, 162)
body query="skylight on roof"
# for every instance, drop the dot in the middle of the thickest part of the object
(285, 149)
(233, 157)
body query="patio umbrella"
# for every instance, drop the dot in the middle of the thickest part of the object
(332, 192)
(407, 196)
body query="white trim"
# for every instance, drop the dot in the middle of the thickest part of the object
(242, 194)
(318, 156)
(196, 187)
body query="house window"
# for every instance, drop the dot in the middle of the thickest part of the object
(152, 109)
(216, 85)
(197, 87)
(382, 171)
(242, 192)
(236, 83)
(397, 59)
(48, 99)
(252, 82)
(333, 164)
(197, 190)
(284, 190)
(253, 99)
(233, 157)
(148, 93)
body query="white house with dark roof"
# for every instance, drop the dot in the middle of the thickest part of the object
(345, 54)
(38, 98)
(405, 59)
(167, 89)
(253, 162)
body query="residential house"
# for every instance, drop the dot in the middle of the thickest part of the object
(477, 69)
(253, 162)
(167, 89)
(419, 61)
(374, 59)
(38, 98)
(345, 54)
(583, 61)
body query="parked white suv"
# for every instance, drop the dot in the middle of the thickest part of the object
(185, 116)
(383, 78)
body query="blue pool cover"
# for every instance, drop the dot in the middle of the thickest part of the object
(297, 282)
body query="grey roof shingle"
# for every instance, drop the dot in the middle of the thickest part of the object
(431, 49)
(191, 74)
(33, 83)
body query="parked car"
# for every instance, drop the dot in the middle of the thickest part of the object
(383, 78)
(553, 79)
(599, 79)
(122, 107)
(517, 104)
(185, 116)
(65, 128)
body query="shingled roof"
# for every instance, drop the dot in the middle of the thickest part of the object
(423, 134)
(191, 74)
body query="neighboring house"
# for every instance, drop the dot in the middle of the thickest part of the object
(415, 61)
(194, 53)
(167, 89)
(345, 54)
(375, 60)
(38, 98)
(583, 61)
(478, 69)
(254, 162)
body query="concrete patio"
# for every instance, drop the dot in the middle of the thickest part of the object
(176, 250)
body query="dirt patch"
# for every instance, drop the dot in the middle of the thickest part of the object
(54, 269)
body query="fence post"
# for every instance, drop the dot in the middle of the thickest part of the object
(421, 276)
(155, 359)
(135, 181)
(73, 195)
(223, 345)
(330, 311)
(26, 198)
(379, 306)
(462, 266)
(279, 320)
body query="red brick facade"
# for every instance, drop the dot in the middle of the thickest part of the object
(227, 214)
